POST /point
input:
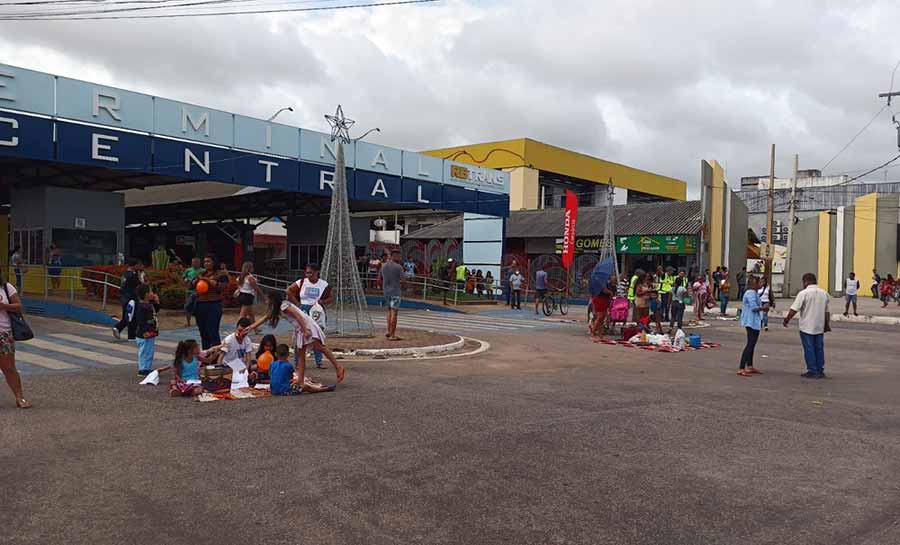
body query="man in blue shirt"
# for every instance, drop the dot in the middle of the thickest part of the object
(751, 318)
(540, 287)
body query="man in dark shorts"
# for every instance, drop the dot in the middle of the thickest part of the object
(391, 278)
(540, 287)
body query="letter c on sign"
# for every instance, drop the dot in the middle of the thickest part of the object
(14, 124)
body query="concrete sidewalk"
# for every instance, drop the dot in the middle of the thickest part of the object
(870, 310)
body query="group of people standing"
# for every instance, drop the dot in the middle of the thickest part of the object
(886, 289)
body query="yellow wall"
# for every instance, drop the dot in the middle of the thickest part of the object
(824, 253)
(864, 230)
(717, 193)
(537, 155)
(524, 189)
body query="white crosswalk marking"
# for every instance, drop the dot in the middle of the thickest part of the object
(44, 361)
(130, 349)
(80, 353)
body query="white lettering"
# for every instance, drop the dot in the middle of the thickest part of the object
(325, 147)
(380, 160)
(97, 147)
(111, 104)
(268, 165)
(13, 141)
(6, 95)
(326, 178)
(187, 119)
(268, 136)
(189, 156)
(422, 171)
(379, 188)
(426, 201)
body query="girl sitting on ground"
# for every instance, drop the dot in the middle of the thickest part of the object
(307, 335)
(186, 370)
(265, 355)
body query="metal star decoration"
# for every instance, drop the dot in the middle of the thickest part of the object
(340, 125)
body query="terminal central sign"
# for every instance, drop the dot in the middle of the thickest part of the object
(53, 118)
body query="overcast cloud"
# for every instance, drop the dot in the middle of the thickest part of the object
(658, 85)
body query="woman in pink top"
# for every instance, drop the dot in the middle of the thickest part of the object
(701, 292)
(9, 302)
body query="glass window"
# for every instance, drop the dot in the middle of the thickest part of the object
(586, 198)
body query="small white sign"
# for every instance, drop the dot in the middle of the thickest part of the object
(80, 223)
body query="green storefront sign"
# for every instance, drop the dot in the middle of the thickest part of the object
(657, 244)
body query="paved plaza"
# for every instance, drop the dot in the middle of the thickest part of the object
(544, 438)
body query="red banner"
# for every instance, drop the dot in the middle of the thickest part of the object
(568, 253)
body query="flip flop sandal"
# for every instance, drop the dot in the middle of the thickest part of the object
(23, 404)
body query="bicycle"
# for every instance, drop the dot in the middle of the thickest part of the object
(549, 303)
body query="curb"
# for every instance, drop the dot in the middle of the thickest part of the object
(409, 351)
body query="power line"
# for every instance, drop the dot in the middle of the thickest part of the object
(76, 17)
(862, 130)
(153, 5)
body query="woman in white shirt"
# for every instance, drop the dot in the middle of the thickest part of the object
(247, 290)
(766, 299)
(10, 302)
(307, 335)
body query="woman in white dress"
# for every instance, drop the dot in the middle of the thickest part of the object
(307, 335)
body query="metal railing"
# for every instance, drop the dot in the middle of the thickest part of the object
(37, 281)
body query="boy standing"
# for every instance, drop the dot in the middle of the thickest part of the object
(851, 291)
(145, 327)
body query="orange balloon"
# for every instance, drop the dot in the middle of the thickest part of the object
(202, 286)
(265, 360)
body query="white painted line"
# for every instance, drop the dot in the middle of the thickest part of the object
(43, 361)
(474, 318)
(79, 353)
(106, 345)
(470, 324)
(471, 317)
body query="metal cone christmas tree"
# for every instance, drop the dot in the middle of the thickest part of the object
(349, 314)
(608, 245)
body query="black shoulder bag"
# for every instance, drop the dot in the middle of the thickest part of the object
(21, 331)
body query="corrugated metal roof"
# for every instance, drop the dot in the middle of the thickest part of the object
(664, 218)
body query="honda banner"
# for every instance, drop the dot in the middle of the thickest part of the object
(568, 252)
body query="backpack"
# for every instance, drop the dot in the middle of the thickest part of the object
(618, 311)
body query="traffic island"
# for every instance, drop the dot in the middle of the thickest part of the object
(413, 342)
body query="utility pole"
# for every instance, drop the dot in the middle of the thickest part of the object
(790, 241)
(889, 96)
(770, 222)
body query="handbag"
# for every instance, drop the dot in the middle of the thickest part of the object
(21, 331)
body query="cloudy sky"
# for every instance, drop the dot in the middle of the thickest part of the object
(658, 85)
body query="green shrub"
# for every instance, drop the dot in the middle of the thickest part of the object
(172, 297)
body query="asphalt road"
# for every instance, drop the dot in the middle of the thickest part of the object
(545, 439)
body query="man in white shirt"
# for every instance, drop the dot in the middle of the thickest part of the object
(851, 290)
(815, 321)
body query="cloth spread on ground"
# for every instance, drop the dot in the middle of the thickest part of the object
(658, 348)
(309, 387)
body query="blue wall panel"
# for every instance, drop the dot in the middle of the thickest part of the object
(26, 136)
(114, 149)
(460, 198)
(170, 159)
(371, 186)
(493, 204)
(249, 171)
(416, 191)
(311, 179)
(75, 100)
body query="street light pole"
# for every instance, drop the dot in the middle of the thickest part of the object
(285, 109)
(770, 221)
